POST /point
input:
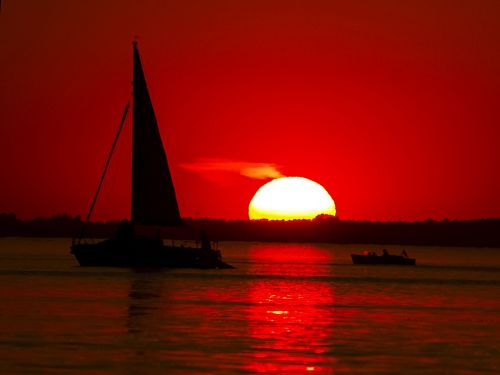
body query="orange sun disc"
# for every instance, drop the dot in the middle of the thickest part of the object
(290, 198)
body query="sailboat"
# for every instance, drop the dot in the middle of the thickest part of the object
(153, 203)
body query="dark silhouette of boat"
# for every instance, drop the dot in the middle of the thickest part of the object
(154, 203)
(385, 258)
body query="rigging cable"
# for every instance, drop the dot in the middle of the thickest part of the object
(104, 172)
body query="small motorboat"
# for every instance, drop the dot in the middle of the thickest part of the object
(385, 258)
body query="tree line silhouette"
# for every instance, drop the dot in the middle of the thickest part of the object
(327, 229)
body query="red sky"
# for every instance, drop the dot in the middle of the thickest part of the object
(392, 106)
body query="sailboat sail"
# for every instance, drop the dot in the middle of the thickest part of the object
(153, 195)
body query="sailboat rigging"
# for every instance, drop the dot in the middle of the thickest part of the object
(99, 186)
(153, 200)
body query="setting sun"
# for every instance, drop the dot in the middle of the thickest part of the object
(290, 198)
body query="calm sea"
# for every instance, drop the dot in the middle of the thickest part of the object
(286, 308)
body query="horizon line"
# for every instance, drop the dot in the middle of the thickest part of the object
(316, 219)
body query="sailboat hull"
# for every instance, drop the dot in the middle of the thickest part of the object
(145, 253)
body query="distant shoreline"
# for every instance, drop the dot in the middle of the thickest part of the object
(464, 233)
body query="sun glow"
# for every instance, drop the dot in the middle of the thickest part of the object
(290, 198)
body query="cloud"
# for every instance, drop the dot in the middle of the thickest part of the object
(259, 171)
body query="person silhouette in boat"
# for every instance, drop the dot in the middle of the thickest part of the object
(385, 253)
(125, 231)
(403, 254)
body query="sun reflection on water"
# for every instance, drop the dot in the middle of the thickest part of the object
(290, 318)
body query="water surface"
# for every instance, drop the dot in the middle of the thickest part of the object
(286, 308)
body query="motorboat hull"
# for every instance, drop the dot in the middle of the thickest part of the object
(382, 259)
